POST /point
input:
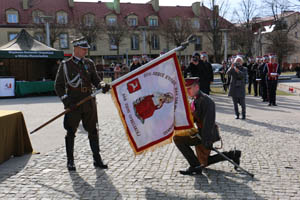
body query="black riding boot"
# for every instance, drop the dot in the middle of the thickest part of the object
(70, 149)
(94, 143)
(233, 155)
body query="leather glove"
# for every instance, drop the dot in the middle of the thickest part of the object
(105, 87)
(68, 104)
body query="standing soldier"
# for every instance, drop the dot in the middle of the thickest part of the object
(74, 81)
(255, 75)
(264, 92)
(251, 77)
(272, 72)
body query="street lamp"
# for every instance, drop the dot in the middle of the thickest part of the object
(46, 20)
(225, 43)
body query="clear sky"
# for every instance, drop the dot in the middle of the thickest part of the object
(233, 4)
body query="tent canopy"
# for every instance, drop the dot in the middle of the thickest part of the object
(25, 46)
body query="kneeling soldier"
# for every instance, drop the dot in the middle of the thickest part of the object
(203, 109)
(74, 81)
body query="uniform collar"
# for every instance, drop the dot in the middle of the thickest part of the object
(76, 59)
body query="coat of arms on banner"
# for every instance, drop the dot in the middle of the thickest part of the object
(152, 103)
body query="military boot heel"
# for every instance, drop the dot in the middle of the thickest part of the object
(235, 156)
(94, 143)
(70, 149)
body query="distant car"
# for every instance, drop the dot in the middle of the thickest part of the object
(216, 68)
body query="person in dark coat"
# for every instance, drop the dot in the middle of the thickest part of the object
(208, 75)
(238, 74)
(255, 75)
(74, 81)
(204, 114)
(223, 75)
(251, 75)
(136, 63)
(272, 71)
(194, 68)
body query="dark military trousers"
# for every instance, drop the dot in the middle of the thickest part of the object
(86, 112)
(184, 144)
(264, 91)
(272, 87)
(242, 102)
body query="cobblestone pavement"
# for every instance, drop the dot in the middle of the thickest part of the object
(269, 140)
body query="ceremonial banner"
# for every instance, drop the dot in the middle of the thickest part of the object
(152, 103)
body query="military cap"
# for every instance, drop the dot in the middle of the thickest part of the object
(190, 81)
(203, 53)
(272, 55)
(196, 54)
(81, 42)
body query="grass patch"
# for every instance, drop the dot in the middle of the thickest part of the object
(219, 90)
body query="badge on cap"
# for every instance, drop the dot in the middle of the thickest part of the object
(81, 42)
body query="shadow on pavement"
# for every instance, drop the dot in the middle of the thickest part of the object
(13, 166)
(273, 127)
(223, 184)
(233, 129)
(103, 187)
(152, 194)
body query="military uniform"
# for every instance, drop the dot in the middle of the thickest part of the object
(74, 81)
(204, 116)
(272, 71)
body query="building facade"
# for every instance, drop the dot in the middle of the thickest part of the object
(267, 27)
(143, 34)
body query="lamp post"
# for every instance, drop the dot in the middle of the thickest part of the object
(46, 20)
(225, 43)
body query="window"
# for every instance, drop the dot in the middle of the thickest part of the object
(63, 41)
(198, 44)
(155, 42)
(12, 16)
(112, 43)
(36, 16)
(153, 22)
(135, 42)
(196, 24)
(39, 37)
(62, 17)
(233, 45)
(177, 23)
(132, 21)
(12, 36)
(93, 45)
(89, 20)
(111, 20)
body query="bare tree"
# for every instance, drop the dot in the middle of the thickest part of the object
(177, 30)
(149, 37)
(214, 19)
(278, 41)
(116, 32)
(242, 35)
(90, 29)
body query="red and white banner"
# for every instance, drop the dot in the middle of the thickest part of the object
(152, 103)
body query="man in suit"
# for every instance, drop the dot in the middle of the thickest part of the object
(238, 74)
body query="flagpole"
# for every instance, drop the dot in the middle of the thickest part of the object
(184, 45)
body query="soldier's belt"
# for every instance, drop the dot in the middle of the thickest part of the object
(82, 89)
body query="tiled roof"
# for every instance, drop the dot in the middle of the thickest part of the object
(100, 9)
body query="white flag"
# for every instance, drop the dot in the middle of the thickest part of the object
(152, 103)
